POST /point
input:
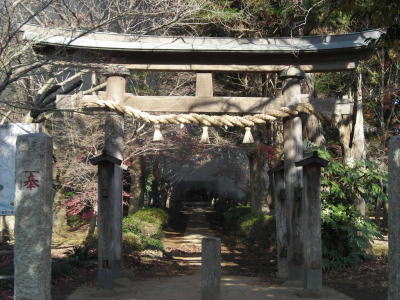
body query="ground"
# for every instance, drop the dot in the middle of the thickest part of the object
(174, 274)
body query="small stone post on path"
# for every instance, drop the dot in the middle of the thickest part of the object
(33, 217)
(211, 269)
(394, 218)
(278, 194)
(312, 223)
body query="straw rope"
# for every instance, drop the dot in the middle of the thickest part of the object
(202, 119)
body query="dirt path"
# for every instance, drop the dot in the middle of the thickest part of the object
(185, 250)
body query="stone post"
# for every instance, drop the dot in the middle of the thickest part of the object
(312, 223)
(33, 217)
(394, 218)
(278, 194)
(211, 269)
(110, 186)
(293, 151)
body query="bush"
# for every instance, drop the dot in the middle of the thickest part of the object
(257, 230)
(132, 242)
(152, 215)
(154, 244)
(143, 229)
(233, 214)
(253, 230)
(346, 236)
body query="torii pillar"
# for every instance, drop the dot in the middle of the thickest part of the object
(277, 179)
(110, 185)
(312, 224)
(293, 152)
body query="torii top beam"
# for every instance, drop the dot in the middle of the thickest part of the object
(204, 54)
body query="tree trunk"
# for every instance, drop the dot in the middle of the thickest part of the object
(352, 137)
(138, 184)
(258, 174)
(312, 128)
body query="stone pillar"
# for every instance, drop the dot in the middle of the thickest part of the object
(293, 151)
(110, 186)
(33, 217)
(211, 269)
(278, 194)
(394, 218)
(312, 223)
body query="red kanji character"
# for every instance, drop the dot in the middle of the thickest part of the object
(32, 182)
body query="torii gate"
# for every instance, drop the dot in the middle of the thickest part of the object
(290, 57)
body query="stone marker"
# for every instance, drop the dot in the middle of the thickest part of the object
(312, 223)
(211, 269)
(394, 218)
(33, 217)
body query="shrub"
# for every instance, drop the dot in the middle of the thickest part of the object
(132, 242)
(143, 229)
(253, 230)
(346, 236)
(233, 214)
(130, 224)
(152, 215)
(257, 230)
(154, 244)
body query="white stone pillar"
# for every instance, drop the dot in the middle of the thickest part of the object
(33, 217)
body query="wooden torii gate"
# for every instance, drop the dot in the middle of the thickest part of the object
(289, 57)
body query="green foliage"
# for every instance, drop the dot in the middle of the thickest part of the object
(257, 230)
(233, 214)
(152, 215)
(343, 184)
(253, 230)
(132, 242)
(221, 206)
(346, 235)
(153, 244)
(143, 229)
(74, 221)
(334, 84)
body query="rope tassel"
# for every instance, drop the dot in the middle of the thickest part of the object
(205, 139)
(248, 137)
(158, 137)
